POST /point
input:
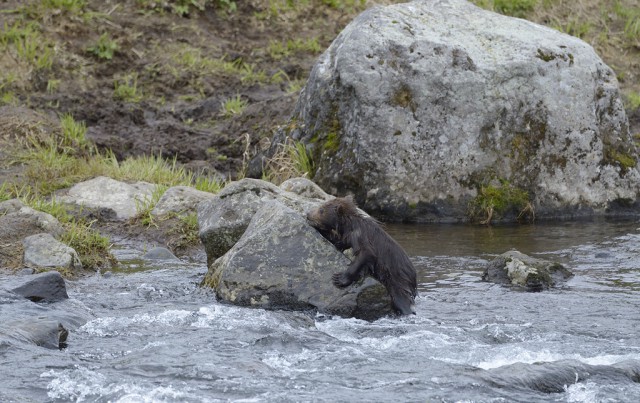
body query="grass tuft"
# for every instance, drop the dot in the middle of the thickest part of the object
(104, 48)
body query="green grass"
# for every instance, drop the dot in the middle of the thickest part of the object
(126, 89)
(72, 6)
(184, 8)
(633, 100)
(291, 160)
(146, 205)
(104, 48)
(73, 138)
(208, 184)
(631, 16)
(302, 162)
(233, 106)
(278, 49)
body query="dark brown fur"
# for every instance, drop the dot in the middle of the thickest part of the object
(376, 253)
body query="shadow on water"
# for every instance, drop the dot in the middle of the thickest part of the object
(480, 240)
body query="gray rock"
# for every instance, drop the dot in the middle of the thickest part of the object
(223, 219)
(517, 269)
(283, 263)
(159, 253)
(21, 222)
(106, 193)
(180, 199)
(416, 106)
(39, 331)
(10, 206)
(304, 187)
(43, 250)
(43, 287)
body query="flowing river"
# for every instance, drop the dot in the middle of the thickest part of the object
(150, 334)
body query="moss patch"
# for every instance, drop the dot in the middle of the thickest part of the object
(500, 199)
(404, 98)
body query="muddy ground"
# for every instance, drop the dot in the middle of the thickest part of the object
(177, 70)
(173, 65)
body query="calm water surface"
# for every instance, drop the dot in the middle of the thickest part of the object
(149, 334)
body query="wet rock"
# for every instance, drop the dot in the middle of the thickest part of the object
(223, 219)
(39, 331)
(106, 193)
(416, 106)
(281, 262)
(553, 377)
(159, 253)
(43, 250)
(517, 269)
(43, 287)
(180, 199)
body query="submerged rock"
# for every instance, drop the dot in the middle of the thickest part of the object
(417, 107)
(39, 331)
(159, 253)
(281, 262)
(517, 269)
(224, 218)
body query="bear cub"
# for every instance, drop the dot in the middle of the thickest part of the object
(376, 253)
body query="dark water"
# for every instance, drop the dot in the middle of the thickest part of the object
(151, 335)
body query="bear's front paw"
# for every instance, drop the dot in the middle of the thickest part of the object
(340, 280)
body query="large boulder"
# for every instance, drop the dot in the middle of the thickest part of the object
(516, 269)
(224, 218)
(424, 108)
(281, 262)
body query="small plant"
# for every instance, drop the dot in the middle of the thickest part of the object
(73, 135)
(34, 51)
(52, 85)
(185, 233)
(104, 48)
(497, 199)
(233, 106)
(290, 160)
(278, 50)
(633, 100)
(208, 184)
(302, 161)
(126, 89)
(146, 205)
(73, 6)
(295, 86)
(5, 192)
